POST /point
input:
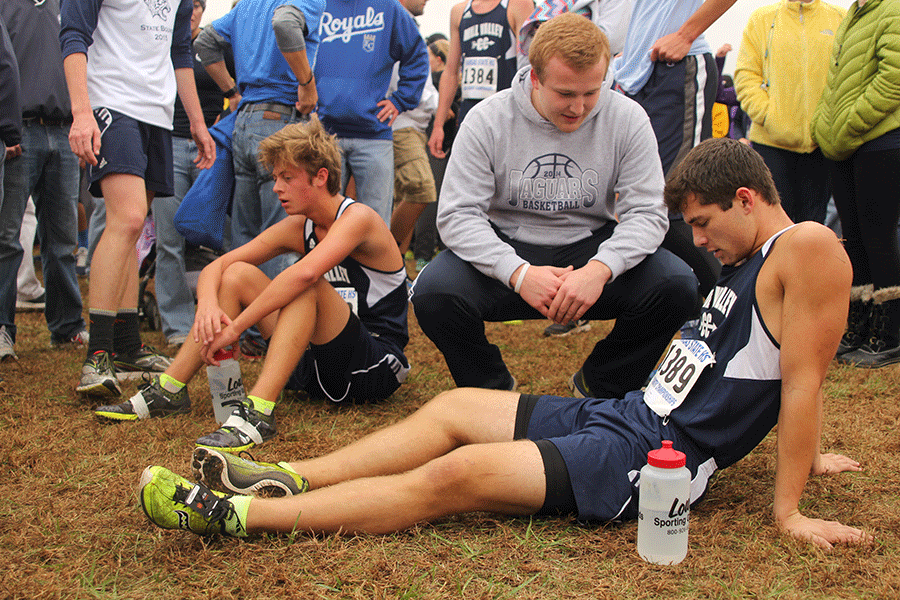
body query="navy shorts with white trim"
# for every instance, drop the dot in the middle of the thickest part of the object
(604, 444)
(353, 367)
(132, 147)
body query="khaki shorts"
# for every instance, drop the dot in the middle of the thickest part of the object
(413, 179)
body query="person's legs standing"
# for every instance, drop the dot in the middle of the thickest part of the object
(876, 176)
(783, 165)
(413, 183)
(173, 293)
(813, 190)
(135, 163)
(371, 162)
(56, 204)
(678, 98)
(29, 291)
(17, 184)
(6, 342)
(426, 238)
(843, 183)
(256, 206)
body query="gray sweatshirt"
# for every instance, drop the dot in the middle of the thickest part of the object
(512, 168)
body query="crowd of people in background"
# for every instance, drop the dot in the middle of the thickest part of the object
(519, 161)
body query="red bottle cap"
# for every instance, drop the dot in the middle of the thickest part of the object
(223, 354)
(666, 457)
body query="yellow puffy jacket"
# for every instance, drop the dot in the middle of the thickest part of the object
(782, 68)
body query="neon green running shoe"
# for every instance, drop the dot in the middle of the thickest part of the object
(230, 473)
(172, 502)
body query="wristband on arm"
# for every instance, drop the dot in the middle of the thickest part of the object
(521, 278)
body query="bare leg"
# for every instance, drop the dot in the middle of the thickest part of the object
(403, 222)
(318, 315)
(504, 477)
(453, 419)
(115, 257)
(241, 284)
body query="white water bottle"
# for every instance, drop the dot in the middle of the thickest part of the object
(664, 506)
(225, 383)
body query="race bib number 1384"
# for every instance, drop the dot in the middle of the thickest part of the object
(479, 77)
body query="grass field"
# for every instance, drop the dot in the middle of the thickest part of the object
(70, 525)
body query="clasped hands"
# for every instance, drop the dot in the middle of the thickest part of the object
(562, 294)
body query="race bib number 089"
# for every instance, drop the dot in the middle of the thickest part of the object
(479, 77)
(677, 374)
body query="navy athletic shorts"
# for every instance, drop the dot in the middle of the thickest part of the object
(353, 367)
(602, 444)
(133, 147)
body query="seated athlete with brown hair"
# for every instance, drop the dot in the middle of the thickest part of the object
(771, 323)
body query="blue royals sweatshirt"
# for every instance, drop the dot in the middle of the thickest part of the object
(360, 40)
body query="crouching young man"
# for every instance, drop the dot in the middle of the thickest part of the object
(771, 323)
(336, 319)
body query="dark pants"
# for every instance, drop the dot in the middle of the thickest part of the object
(799, 178)
(680, 122)
(426, 238)
(650, 302)
(679, 241)
(867, 197)
(669, 98)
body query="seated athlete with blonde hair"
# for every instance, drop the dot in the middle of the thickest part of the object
(336, 319)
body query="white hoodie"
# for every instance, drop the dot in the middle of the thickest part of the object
(514, 169)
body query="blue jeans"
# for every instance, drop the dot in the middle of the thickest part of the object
(48, 171)
(256, 207)
(173, 292)
(371, 163)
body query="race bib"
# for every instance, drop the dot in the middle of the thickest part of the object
(677, 374)
(479, 77)
(351, 297)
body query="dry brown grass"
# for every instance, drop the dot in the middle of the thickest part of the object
(70, 526)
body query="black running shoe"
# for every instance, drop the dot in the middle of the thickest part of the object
(150, 401)
(244, 429)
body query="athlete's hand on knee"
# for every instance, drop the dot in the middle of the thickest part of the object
(208, 323)
(84, 139)
(830, 464)
(823, 533)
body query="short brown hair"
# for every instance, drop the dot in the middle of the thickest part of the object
(304, 146)
(713, 172)
(573, 38)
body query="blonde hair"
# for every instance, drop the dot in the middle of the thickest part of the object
(304, 146)
(573, 38)
(440, 48)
